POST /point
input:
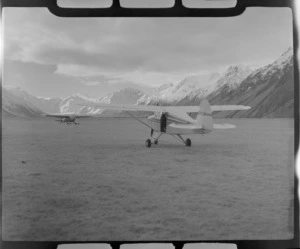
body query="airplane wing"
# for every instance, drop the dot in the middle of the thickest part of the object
(66, 115)
(147, 108)
(152, 108)
(216, 108)
(223, 126)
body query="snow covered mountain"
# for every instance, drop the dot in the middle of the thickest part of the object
(269, 90)
(186, 90)
(123, 96)
(74, 104)
(154, 96)
(16, 102)
(192, 89)
(233, 77)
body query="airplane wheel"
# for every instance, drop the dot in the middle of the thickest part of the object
(155, 141)
(188, 142)
(148, 143)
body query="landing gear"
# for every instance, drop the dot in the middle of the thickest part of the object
(148, 143)
(188, 142)
(155, 139)
(151, 132)
(156, 135)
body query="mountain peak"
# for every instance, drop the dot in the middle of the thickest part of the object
(284, 57)
(214, 76)
(199, 81)
(278, 64)
(234, 75)
(288, 52)
(238, 68)
(130, 90)
(123, 96)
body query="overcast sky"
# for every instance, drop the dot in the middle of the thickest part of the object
(52, 56)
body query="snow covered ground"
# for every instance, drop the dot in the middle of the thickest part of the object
(98, 181)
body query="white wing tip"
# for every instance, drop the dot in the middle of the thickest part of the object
(247, 107)
(223, 126)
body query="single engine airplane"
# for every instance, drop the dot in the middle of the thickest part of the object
(68, 118)
(175, 120)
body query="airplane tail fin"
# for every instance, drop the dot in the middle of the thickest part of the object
(204, 117)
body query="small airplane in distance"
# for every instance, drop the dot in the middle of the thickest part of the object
(175, 120)
(68, 118)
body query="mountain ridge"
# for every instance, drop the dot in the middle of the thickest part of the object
(268, 90)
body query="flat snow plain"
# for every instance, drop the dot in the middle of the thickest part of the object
(98, 181)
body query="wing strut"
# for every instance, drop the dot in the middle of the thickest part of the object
(137, 119)
(179, 138)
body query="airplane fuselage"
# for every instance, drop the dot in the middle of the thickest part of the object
(170, 124)
(68, 120)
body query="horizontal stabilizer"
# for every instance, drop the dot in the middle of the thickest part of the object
(223, 126)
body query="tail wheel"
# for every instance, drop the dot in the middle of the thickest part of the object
(188, 142)
(155, 141)
(148, 143)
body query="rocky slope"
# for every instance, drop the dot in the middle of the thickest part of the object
(18, 103)
(268, 90)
